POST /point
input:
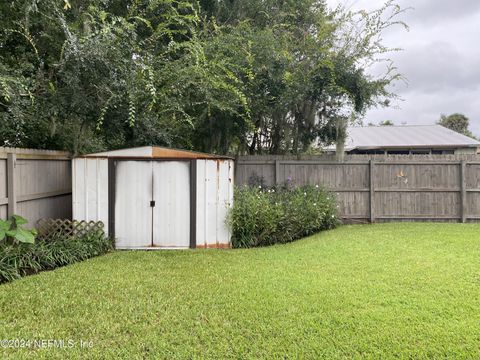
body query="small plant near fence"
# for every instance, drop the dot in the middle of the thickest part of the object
(266, 216)
(58, 242)
(12, 231)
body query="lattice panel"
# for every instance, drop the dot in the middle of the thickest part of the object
(48, 228)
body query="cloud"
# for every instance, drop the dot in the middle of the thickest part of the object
(425, 11)
(428, 11)
(438, 66)
(422, 108)
(441, 60)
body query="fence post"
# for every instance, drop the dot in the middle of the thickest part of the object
(11, 183)
(277, 172)
(463, 191)
(372, 191)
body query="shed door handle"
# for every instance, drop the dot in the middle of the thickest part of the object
(152, 203)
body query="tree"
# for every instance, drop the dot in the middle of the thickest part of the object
(302, 69)
(382, 123)
(456, 122)
(386, 123)
(95, 75)
(225, 76)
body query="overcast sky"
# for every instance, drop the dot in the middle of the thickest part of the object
(441, 60)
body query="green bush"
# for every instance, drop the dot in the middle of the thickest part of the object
(13, 231)
(17, 260)
(262, 216)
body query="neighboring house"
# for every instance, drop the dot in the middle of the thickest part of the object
(401, 140)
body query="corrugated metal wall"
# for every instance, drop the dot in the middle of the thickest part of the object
(214, 198)
(166, 182)
(171, 214)
(133, 214)
(90, 190)
(138, 224)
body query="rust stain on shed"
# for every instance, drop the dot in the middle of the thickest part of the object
(156, 152)
(215, 246)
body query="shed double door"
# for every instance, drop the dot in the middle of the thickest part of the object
(152, 204)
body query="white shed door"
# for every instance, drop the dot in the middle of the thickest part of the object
(171, 214)
(133, 214)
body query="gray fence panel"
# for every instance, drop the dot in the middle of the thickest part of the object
(381, 188)
(35, 184)
(3, 188)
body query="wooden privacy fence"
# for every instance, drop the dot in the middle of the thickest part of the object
(377, 188)
(35, 184)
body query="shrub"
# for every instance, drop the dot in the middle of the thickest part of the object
(265, 216)
(20, 259)
(13, 231)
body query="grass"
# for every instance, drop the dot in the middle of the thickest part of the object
(382, 291)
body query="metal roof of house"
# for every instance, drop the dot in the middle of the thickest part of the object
(412, 136)
(154, 152)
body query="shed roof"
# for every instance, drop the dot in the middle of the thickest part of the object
(412, 136)
(154, 152)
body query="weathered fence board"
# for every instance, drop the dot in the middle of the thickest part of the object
(379, 188)
(3, 189)
(35, 184)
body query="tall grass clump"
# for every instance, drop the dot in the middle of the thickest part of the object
(266, 216)
(21, 259)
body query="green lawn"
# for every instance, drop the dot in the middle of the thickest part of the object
(382, 291)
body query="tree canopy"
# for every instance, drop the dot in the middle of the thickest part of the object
(456, 122)
(226, 76)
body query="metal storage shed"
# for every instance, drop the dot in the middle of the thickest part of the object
(154, 197)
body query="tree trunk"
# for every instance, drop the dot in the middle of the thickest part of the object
(341, 128)
(277, 134)
(253, 145)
